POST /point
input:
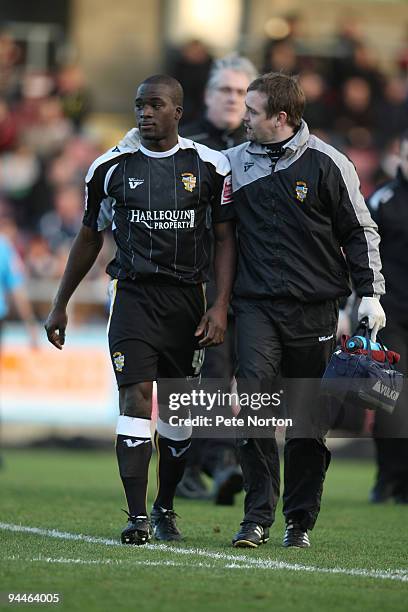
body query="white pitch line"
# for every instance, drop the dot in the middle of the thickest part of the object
(230, 561)
(132, 562)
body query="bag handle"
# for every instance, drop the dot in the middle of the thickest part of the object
(363, 325)
(386, 359)
(363, 330)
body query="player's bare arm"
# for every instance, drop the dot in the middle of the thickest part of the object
(214, 322)
(83, 254)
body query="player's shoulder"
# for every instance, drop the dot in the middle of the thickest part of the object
(110, 157)
(207, 155)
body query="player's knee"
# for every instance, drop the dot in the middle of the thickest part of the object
(136, 400)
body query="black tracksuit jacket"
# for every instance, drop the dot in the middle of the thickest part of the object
(295, 222)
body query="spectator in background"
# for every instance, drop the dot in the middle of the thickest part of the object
(48, 135)
(22, 183)
(365, 65)
(354, 129)
(70, 166)
(40, 262)
(318, 113)
(280, 56)
(10, 71)
(285, 46)
(389, 163)
(349, 35)
(393, 106)
(8, 127)
(365, 159)
(351, 57)
(389, 209)
(60, 225)
(402, 57)
(191, 68)
(74, 95)
(220, 127)
(34, 88)
(355, 109)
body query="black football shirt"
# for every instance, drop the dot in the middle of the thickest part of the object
(161, 206)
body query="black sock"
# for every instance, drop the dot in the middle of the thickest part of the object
(133, 456)
(171, 461)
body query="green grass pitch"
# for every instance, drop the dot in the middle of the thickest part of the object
(358, 560)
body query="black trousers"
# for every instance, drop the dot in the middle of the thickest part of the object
(293, 340)
(391, 431)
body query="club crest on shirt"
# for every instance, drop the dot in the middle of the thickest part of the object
(189, 181)
(118, 361)
(301, 191)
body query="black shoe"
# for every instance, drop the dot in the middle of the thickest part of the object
(138, 530)
(192, 485)
(251, 535)
(164, 525)
(295, 536)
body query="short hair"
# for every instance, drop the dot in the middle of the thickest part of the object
(176, 90)
(234, 62)
(283, 94)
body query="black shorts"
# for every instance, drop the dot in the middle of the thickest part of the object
(151, 331)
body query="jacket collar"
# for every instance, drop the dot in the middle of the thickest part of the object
(299, 140)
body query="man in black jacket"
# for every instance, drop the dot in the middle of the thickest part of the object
(298, 208)
(221, 127)
(389, 208)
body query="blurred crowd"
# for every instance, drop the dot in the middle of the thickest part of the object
(45, 148)
(44, 156)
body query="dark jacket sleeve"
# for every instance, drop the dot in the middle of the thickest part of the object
(354, 227)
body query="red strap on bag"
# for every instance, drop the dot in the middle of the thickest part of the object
(380, 356)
